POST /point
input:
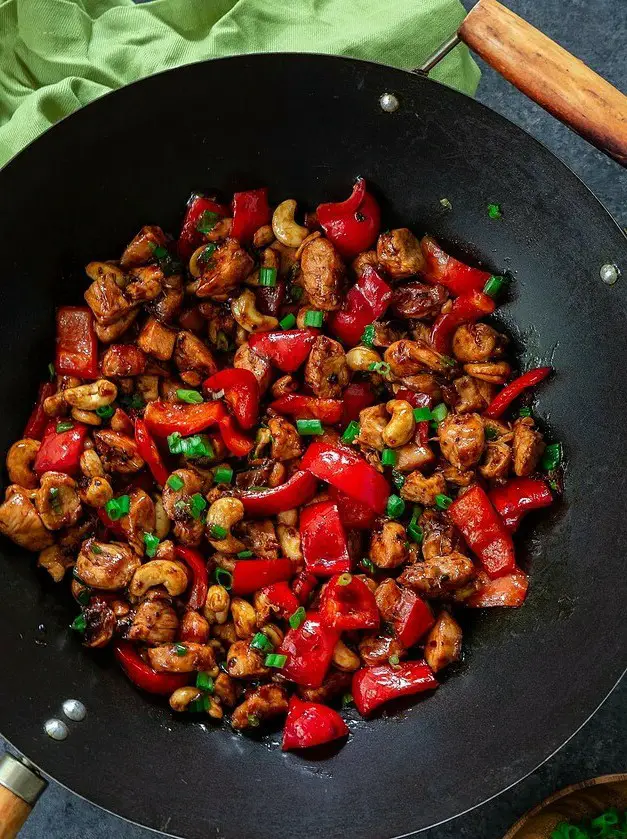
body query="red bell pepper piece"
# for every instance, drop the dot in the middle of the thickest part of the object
(517, 497)
(503, 400)
(250, 212)
(309, 650)
(143, 676)
(286, 350)
(323, 540)
(295, 491)
(412, 618)
(467, 308)
(191, 237)
(61, 452)
(241, 393)
(510, 590)
(76, 351)
(281, 599)
(269, 299)
(441, 268)
(372, 686)
(484, 532)
(163, 418)
(311, 724)
(252, 574)
(328, 411)
(197, 564)
(149, 452)
(352, 225)
(366, 301)
(353, 514)
(350, 606)
(345, 469)
(236, 442)
(38, 420)
(304, 583)
(356, 397)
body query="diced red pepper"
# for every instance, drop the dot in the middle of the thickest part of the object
(304, 583)
(352, 225)
(197, 564)
(348, 605)
(281, 599)
(149, 452)
(354, 515)
(467, 308)
(163, 418)
(237, 443)
(76, 351)
(252, 574)
(484, 532)
(287, 350)
(270, 298)
(323, 540)
(366, 301)
(517, 497)
(114, 526)
(441, 268)
(510, 590)
(250, 212)
(143, 676)
(356, 397)
(412, 618)
(328, 411)
(38, 420)
(191, 237)
(309, 650)
(296, 491)
(345, 469)
(241, 393)
(504, 399)
(61, 452)
(372, 686)
(311, 724)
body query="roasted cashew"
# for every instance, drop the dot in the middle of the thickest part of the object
(87, 417)
(20, 459)
(94, 395)
(159, 572)
(263, 237)
(195, 269)
(400, 429)
(96, 270)
(97, 492)
(289, 540)
(272, 631)
(344, 658)
(495, 372)
(245, 313)
(55, 405)
(91, 465)
(225, 513)
(359, 359)
(288, 231)
(244, 617)
(183, 697)
(216, 608)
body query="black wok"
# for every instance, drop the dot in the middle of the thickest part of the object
(531, 677)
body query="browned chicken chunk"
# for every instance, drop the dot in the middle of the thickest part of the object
(462, 439)
(323, 274)
(399, 253)
(326, 371)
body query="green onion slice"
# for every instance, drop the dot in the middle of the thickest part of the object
(274, 660)
(288, 321)
(344, 579)
(117, 507)
(422, 414)
(395, 506)
(51, 371)
(308, 427)
(552, 456)
(192, 397)
(367, 337)
(106, 411)
(207, 221)
(175, 482)
(261, 643)
(223, 475)
(443, 502)
(495, 285)
(64, 426)
(524, 412)
(297, 618)
(368, 564)
(439, 413)
(205, 682)
(380, 367)
(244, 554)
(152, 543)
(388, 457)
(197, 505)
(314, 318)
(219, 532)
(494, 210)
(267, 276)
(79, 624)
(350, 432)
(180, 649)
(224, 578)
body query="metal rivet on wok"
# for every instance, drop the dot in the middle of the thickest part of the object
(56, 729)
(74, 710)
(389, 103)
(609, 273)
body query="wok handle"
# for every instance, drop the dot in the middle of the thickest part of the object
(548, 74)
(20, 787)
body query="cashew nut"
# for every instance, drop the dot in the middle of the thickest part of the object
(245, 313)
(263, 237)
(359, 359)
(91, 465)
(289, 540)
(224, 514)
(289, 517)
(20, 459)
(159, 572)
(55, 405)
(97, 492)
(183, 697)
(195, 263)
(244, 617)
(216, 608)
(55, 561)
(495, 372)
(288, 231)
(400, 429)
(344, 658)
(272, 631)
(88, 417)
(94, 395)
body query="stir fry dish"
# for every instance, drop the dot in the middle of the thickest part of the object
(276, 458)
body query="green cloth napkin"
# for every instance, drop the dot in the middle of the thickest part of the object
(57, 55)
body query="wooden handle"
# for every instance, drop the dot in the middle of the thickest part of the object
(13, 813)
(20, 787)
(548, 74)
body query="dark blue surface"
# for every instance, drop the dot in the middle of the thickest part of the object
(596, 31)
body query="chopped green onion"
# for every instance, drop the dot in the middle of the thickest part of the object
(168, 265)
(55, 500)
(344, 579)
(552, 457)
(133, 402)
(440, 412)
(288, 321)
(206, 253)
(200, 705)
(415, 533)
(223, 475)
(175, 482)
(495, 285)
(350, 432)
(244, 554)
(207, 221)
(422, 414)
(84, 596)
(307, 427)
(261, 643)
(367, 337)
(64, 426)
(205, 682)
(197, 445)
(398, 479)
(388, 457)
(368, 565)
(347, 699)
(446, 203)
(491, 433)
(180, 650)
(175, 442)
(395, 507)
(443, 502)
(95, 550)
(296, 293)
(106, 411)
(314, 318)
(51, 371)
(224, 578)
(380, 367)
(192, 397)
(152, 543)
(267, 276)
(394, 660)
(197, 505)
(298, 617)
(448, 361)
(274, 660)
(219, 532)
(254, 721)
(117, 507)
(79, 624)
(494, 210)
(524, 412)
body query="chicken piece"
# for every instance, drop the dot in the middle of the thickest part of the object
(387, 595)
(406, 358)
(104, 297)
(140, 249)
(225, 689)
(57, 501)
(335, 683)
(385, 334)
(167, 305)
(462, 439)
(154, 622)
(286, 441)
(470, 395)
(439, 575)
(422, 383)
(443, 644)
(262, 538)
(455, 476)
(114, 331)
(176, 503)
(194, 627)
(326, 371)
(228, 267)
(181, 658)
(322, 275)
(20, 461)
(56, 561)
(244, 663)
(123, 360)
(263, 703)
(140, 519)
(20, 521)
(477, 342)
(372, 421)
(418, 300)
(247, 359)
(496, 460)
(71, 539)
(145, 284)
(378, 649)
(157, 340)
(191, 353)
(422, 490)
(439, 537)
(414, 455)
(528, 446)
(117, 452)
(388, 545)
(100, 623)
(399, 253)
(108, 566)
(366, 258)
